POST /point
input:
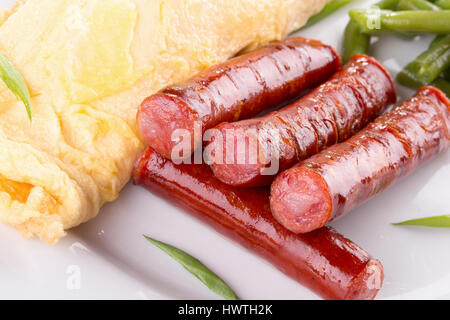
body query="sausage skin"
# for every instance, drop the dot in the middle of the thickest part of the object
(324, 261)
(333, 112)
(237, 89)
(331, 183)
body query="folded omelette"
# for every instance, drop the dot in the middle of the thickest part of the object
(89, 64)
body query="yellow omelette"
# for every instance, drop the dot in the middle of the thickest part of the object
(89, 64)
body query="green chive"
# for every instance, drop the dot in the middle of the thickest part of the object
(198, 269)
(435, 222)
(15, 82)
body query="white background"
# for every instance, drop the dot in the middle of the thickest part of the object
(116, 262)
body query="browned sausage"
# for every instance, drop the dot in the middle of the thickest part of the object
(333, 182)
(333, 112)
(237, 89)
(324, 261)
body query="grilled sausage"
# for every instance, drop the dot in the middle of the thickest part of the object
(331, 183)
(331, 113)
(237, 89)
(324, 261)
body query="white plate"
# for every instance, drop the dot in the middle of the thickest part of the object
(113, 260)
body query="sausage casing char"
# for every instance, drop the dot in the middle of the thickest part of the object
(237, 89)
(333, 112)
(324, 261)
(331, 183)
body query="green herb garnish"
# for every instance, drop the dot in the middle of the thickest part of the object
(15, 82)
(435, 222)
(198, 269)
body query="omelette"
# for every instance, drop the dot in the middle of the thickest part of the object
(88, 65)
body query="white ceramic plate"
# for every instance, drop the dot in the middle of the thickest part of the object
(112, 259)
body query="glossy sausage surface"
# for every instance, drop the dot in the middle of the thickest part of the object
(333, 112)
(333, 182)
(324, 261)
(237, 89)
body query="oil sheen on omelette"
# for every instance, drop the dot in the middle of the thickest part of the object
(89, 64)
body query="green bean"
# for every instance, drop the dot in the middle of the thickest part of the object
(354, 41)
(428, 66)
(446, 74)
(433, 61)
(416, 5)
(387, 4)
(403, 21)
(436, 40)
(443, 85)
(421, 5)
(329, 8)
(410, 80)
(357, 42)
(444, 4)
